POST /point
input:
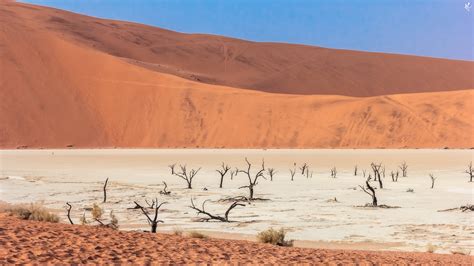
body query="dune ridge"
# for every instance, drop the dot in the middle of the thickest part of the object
(58, 91)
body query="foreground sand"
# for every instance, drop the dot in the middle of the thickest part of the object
(41, 242)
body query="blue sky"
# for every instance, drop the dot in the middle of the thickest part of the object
(437, 28)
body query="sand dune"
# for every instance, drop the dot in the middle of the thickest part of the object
(270, 67)
(41, 242)
(57, 91)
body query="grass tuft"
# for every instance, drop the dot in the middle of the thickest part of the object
(275, 237)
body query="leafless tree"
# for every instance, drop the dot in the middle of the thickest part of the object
(303, 168)
(172, 166)
(371, 193)
(187, 176)
(404, 168)
(432, 180)
(293, 172)
(394, 176)
(69, 212)
(376, 169)
(364, 172)
(164, 191)
(224, 169)
(232, 174)
(355, 170)
(470, 172)
(105, 189)
(383, 171)
(333, 172)
(308, 175)
(253, 181)
(271, 172)
(152, 222)
(224, 218)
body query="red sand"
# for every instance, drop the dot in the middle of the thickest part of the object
(40, 242)
(59, 89)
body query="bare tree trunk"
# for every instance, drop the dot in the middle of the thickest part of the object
(105, 190)
(69, 212)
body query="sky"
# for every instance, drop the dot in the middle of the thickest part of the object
(436, 28)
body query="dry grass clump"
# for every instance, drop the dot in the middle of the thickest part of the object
(430, 248)
(275, 237)
(177, 231)
(195, 234)
(31, 211)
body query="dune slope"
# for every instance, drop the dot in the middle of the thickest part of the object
(57, 92)
(270, 67)
(47, 243)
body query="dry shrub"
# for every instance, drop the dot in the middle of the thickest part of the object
(274, 237)
(177, 231)
(430, 248)
(32, 212)
(195, 234)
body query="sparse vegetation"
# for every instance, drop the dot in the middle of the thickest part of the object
(274, 237)
(32, 212)
(196, 234)
(430, 248)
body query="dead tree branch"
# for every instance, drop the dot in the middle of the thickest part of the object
(470, 172)
(152, 222)
(164, 191)
(69, 212)
(371, 193)
(187, 176)
(432, 180)
(224, 218)
(222, 172)
(404, 168)
(105, 190)
(253, 181)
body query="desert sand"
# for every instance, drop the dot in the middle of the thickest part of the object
(42, 242)
(73, 80)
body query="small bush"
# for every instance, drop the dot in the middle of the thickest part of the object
(430, 248)
(113, 221)
(32, 212)
(275, 237)
(96, 212)
(195, 234)
(177, 231)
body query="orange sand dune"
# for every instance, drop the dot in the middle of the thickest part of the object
(41, 242)
(270, 67)
(56, 92)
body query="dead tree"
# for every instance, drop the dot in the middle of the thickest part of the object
(253, 181)
(271, 172)
(224, 218)
(394, 176)
(470, 172)
(222, 172)
(171, 166)
(364, 172)
(333, 172)
(152, 222)
(164, 191)
(404, 168)
(105, 190)
(307, 172)
(232, 174)
(383, 171)
(187, 176)
(69, 212)
(303, 168)
(293, 172)
(355, 170)
(371, 193)
(376, 169)
(432, 180)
